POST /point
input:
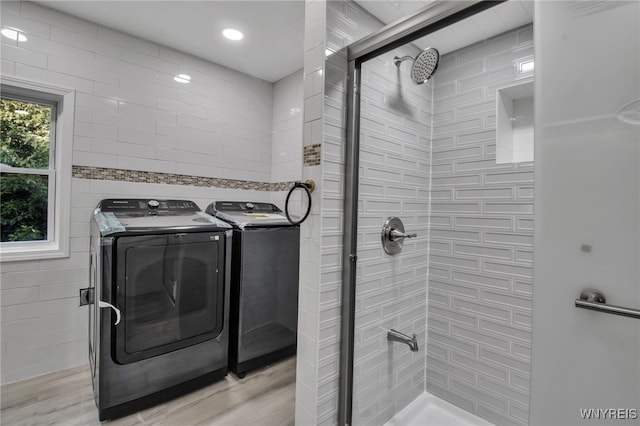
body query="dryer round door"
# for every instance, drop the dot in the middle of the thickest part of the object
(170, 290)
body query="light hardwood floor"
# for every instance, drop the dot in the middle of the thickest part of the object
(264, 397)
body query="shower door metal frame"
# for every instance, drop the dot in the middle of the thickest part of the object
(430, 19)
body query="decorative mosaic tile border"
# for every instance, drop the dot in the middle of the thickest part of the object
(312, 155)
(102, 173)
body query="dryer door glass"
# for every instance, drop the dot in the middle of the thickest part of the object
(170, 291)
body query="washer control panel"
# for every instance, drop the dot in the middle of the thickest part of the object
(146, 205)
(247, 206)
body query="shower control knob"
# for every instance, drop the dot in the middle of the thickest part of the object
(153, 204)
(393, 235)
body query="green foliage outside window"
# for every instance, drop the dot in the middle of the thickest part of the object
(25, 137)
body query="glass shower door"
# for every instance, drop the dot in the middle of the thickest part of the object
(391, 288)
(463, 286)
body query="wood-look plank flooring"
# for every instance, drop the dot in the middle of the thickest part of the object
(265, 397)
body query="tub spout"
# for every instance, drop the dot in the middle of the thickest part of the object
(396, 336)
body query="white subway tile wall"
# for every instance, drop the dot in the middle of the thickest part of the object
(130, 114)
(479, 313)
(308, 356)
(286, 152)
(286, 145)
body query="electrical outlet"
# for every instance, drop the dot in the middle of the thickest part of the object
(86, 296)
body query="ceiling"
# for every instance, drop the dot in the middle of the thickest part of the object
(273, 43)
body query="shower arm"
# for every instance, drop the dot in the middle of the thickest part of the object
(397, 60)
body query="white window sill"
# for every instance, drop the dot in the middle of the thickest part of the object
(31, 251)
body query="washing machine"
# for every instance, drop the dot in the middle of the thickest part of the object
(159, 302)
(264, 283)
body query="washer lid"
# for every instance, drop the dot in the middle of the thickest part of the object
(144, 215)
(247, 214)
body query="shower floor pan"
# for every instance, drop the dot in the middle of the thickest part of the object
(427, 409)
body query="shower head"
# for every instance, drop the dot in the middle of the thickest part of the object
(424, 65)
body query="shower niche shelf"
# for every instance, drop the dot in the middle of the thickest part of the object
(514, 123)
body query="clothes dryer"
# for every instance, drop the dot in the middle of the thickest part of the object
(159, 281)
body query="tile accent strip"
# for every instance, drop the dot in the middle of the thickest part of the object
(102, 173)
(311, 155)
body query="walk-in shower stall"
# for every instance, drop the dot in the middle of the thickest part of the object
(491, 175)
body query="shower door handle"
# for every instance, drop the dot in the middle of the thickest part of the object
(595, 300)
(103, 304)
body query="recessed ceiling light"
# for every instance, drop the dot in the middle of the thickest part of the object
(232, 34)
(182, 78)
(13, 34)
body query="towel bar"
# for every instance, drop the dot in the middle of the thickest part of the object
(595, 300)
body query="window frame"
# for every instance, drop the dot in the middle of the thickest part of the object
(49, 171)
(59, 171)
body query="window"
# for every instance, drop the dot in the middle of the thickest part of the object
(27, 177)
(35, 170)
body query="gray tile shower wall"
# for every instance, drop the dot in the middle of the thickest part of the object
(395, 139)
(481, 242)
